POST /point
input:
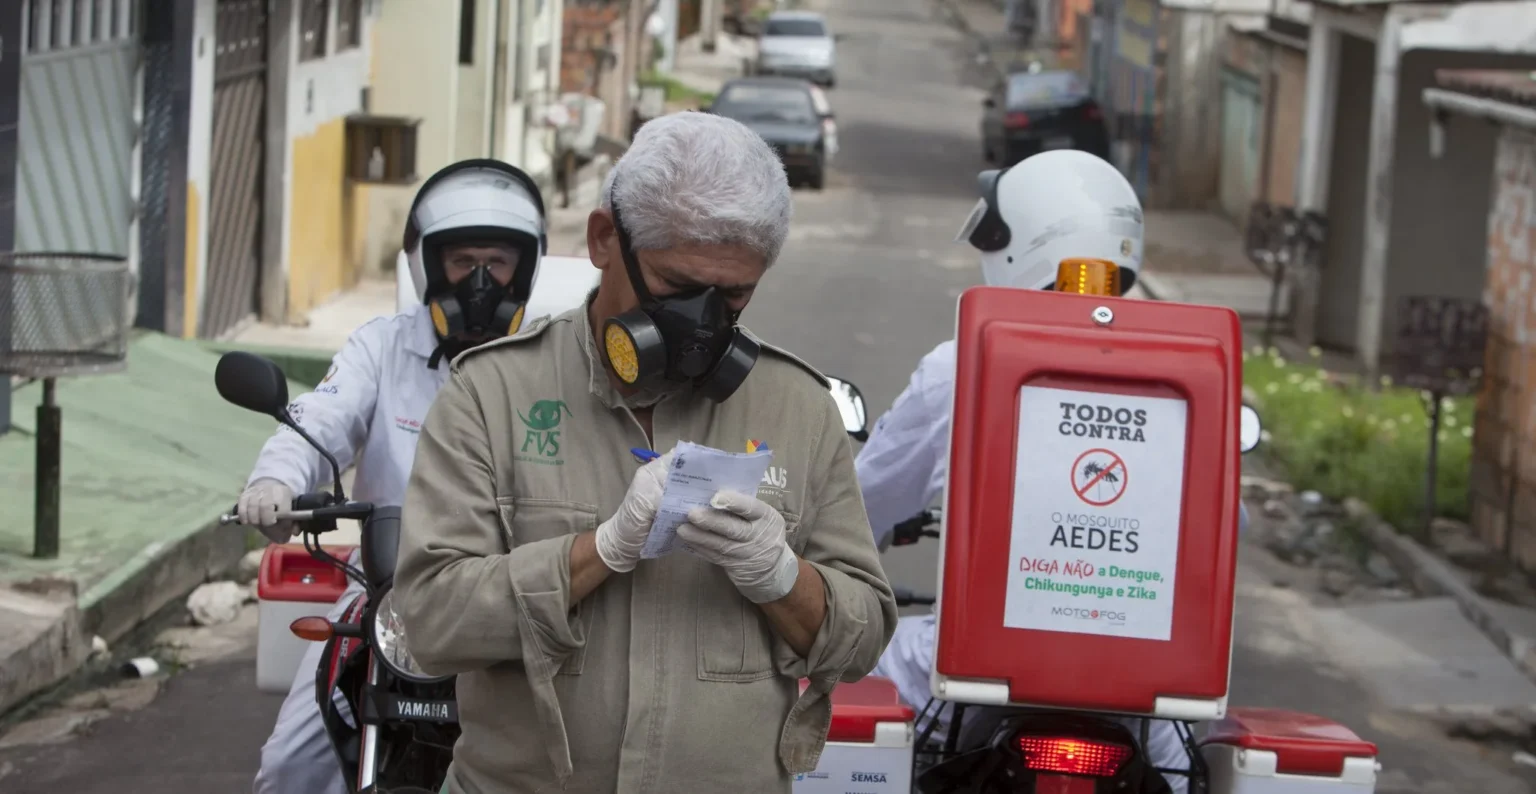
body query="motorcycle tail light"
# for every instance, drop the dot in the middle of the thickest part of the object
(1073, 756)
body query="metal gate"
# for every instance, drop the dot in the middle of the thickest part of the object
(77, 170)
(237, 163)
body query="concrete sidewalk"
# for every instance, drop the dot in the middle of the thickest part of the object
(151, 458)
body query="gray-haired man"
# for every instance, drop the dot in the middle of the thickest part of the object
(580, 665)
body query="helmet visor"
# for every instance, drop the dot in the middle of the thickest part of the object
(972, 221)
(985, 229)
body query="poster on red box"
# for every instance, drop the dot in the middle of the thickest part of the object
(1097, 503)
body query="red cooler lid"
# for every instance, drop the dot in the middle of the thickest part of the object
(289, 573)
(1304, 744)
(858, 706)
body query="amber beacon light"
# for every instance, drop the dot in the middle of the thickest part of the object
(1088, 277)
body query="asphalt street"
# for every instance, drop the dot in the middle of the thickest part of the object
(866, 286)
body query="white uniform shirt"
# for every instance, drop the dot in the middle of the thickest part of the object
(901, 470)
(373, 400)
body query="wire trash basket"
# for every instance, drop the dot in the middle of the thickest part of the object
(64, 313)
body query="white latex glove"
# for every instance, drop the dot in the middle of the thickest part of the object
(259, 505)
(745, 536)
(620, 538)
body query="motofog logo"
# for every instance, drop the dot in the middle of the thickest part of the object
(1079, 613)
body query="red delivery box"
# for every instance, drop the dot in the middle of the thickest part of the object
(1090, 524)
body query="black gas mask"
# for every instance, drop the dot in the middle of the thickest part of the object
(689, 338)
(477, 308)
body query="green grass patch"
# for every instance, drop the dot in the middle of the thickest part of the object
(677, 91)
(1328, 433)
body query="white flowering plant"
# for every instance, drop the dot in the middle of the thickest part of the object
(1329, 433)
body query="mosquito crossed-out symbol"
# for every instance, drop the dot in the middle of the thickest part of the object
(1098, 467)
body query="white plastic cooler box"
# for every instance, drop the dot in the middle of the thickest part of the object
(291, 585)
(1274, 751)
(869, 744)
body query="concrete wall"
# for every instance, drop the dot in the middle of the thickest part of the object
(1504, 446)
(326, 216)
(542, 63)
(1290, 100)
(1255, 57)
(1073, 39)
(1437, 242)
(1191, 127)
(199, 142)
(1339, 293)
(474, 106)
(586, 29)
(457, 104)
(1439, 236)
(423, 86)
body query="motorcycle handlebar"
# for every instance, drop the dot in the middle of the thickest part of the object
(354, 510)
(916, 528)
(906, 598)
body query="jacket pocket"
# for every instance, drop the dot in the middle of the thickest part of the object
(526, 520)
(734, 638)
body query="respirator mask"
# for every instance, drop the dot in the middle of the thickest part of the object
(689, 338)
(476, 308)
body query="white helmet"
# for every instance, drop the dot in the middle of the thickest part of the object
(474, 200)
(1054, 206)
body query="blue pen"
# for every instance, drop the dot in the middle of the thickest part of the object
(644, 455)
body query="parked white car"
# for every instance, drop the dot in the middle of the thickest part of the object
(798, 44)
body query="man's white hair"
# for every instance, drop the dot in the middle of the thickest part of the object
(697, 178)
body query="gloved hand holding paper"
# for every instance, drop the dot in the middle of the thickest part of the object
(696, 475)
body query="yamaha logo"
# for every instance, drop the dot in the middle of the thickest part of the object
(424, 710)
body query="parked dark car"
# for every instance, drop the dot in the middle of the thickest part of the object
(786, 113)
(1031, 112)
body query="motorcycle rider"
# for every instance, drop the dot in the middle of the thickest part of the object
(474, 239)
(903, 466)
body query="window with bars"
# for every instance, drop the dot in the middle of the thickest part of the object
(53, 25)
(349, 24)
(314, 21)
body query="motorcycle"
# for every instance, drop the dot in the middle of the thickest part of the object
(392, 726)
(991, 750)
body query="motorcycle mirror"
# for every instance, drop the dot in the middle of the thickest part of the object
(850, 403)
(1249, 429)
(253, 383)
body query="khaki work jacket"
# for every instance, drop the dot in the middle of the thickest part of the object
(664, 679)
